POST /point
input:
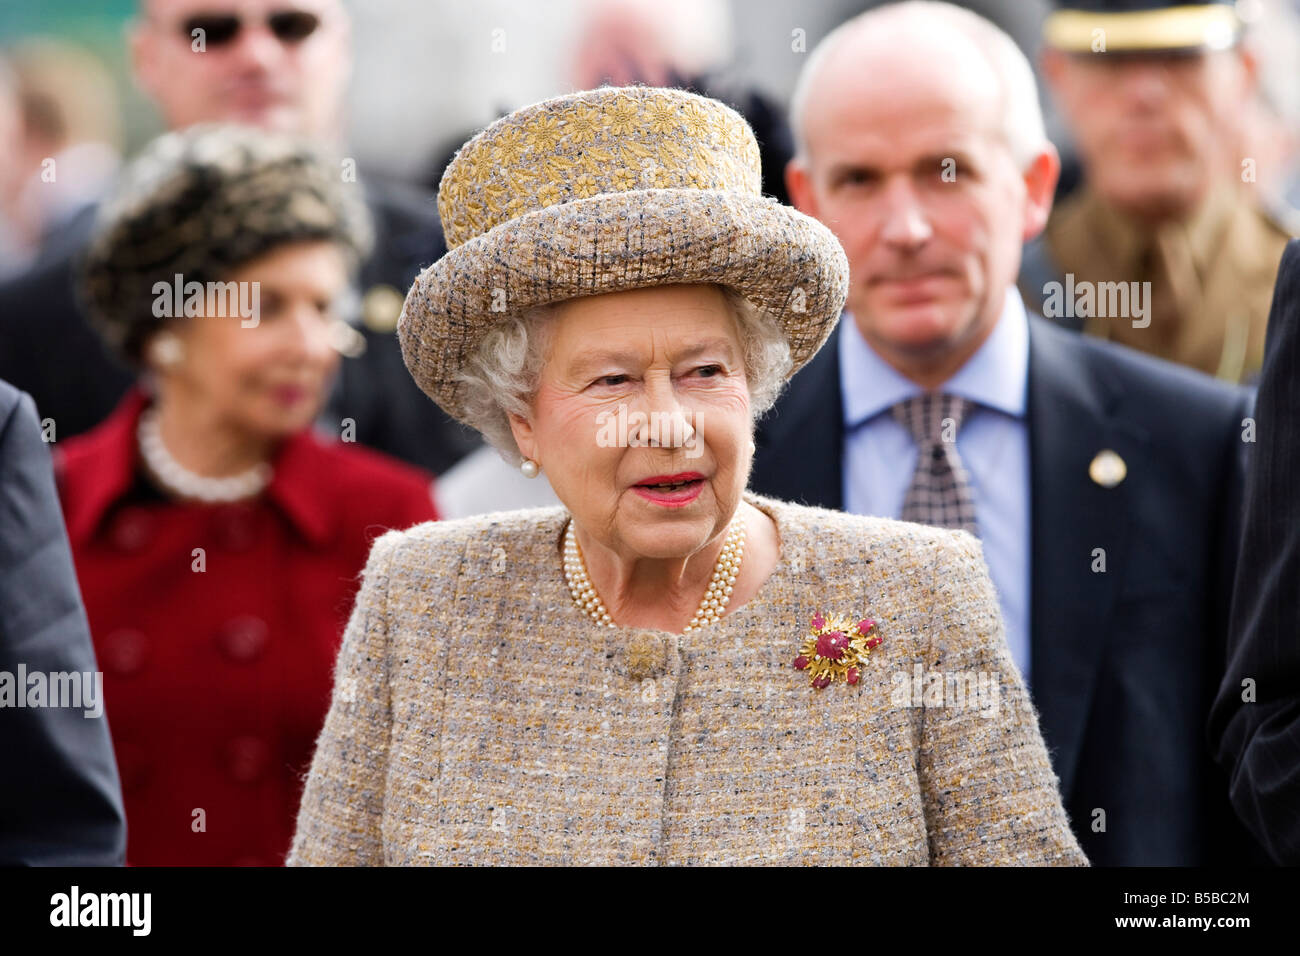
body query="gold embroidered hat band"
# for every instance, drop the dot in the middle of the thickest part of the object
(1142, 26)
(611, 189)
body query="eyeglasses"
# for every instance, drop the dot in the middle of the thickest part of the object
(219, 29)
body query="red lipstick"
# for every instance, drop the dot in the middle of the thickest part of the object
(671, 491)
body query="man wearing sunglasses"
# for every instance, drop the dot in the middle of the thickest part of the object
(278, 64)
(281, 65)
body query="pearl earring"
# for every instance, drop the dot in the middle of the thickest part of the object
(166, 350)
(529, 468)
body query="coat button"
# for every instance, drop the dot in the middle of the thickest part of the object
(130, 529)
(247, 758)
(644, 655)
(124, 652)
(234, 527)
(243, 639)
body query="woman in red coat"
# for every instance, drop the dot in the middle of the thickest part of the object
(218, 540)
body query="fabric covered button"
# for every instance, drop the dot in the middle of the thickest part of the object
(243, 639)
(124, 652)
(643, 655)
(131, 529)
(247, 758)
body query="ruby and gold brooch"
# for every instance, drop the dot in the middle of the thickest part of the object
(836, 649)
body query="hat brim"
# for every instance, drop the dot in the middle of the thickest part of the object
(784, 262)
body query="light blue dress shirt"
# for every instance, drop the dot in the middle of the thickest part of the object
(993, 443)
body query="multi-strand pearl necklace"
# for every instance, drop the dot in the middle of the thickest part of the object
(715, 599)
(182, 482)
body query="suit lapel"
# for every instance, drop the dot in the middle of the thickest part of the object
(801, 441)
(1070, 411)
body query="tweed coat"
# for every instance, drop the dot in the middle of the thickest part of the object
(478, 717)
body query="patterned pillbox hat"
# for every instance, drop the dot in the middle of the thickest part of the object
(611, 189)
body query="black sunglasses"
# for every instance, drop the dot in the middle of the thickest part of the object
(218, 29)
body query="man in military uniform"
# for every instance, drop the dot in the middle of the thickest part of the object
(1166, 248)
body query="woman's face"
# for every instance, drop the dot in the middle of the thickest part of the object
(641, 419)
(264, 368)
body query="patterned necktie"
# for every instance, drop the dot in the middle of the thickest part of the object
(940, 493)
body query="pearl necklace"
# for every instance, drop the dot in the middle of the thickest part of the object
(182, 482)
(711, 607)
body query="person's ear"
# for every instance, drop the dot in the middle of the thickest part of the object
(525, 437)
(1051, 66)
(1249, 70)
(142, 42)
(164, 352)
(1040, 187)
(345, 53)
(798, 183)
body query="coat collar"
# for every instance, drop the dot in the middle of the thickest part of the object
(1090, 230)
(299, 487)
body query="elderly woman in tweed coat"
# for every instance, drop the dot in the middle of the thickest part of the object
(667, 668)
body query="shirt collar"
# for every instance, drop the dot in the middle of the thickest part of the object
(994, 377)
(299, 486)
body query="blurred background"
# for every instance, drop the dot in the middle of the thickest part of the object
(428, 71)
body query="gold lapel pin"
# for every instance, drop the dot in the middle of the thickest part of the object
(1107, 469)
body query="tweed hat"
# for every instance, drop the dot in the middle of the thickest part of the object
(606, 190)
(200, 203)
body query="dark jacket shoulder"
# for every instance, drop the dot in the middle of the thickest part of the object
(1181, 402)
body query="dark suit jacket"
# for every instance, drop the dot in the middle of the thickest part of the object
(49, 349)
(60, 801)
(1123, 663)
(1259, 742)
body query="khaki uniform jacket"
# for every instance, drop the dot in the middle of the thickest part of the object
(1211, 278)
(479, 717)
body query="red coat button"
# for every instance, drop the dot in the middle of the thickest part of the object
(243, 639)
(131, 529)
(124, 651)
(247, 758)
(234, 527)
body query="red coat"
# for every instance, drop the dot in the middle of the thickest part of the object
(216, 682)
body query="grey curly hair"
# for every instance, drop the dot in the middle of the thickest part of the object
(502, 375)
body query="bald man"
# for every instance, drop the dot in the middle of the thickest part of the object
(282, 66)
(1104, 485)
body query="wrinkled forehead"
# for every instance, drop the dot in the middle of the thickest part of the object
(905, 132)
